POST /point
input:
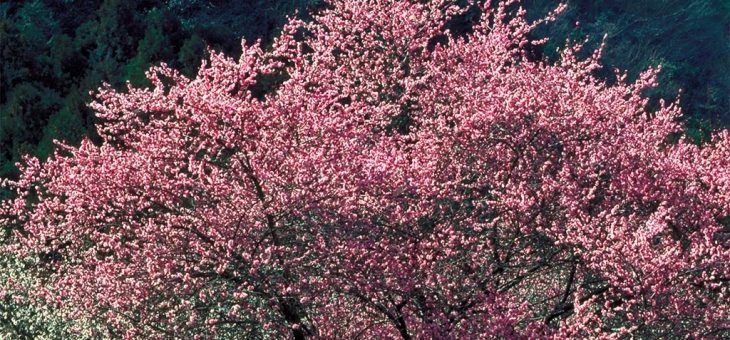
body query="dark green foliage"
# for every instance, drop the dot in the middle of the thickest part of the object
(223, 22)
(65, 125)
(689, 39)
(190, 55)
(53, 52)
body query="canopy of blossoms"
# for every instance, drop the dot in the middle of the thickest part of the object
(373, 175)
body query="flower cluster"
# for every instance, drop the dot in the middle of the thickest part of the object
(374, 175)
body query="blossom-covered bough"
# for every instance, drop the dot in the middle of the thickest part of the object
(400, 182)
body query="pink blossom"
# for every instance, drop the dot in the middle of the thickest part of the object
(401, 182)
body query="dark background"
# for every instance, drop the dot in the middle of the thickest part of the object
(53, 52)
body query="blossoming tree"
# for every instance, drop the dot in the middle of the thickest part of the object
(401, 181)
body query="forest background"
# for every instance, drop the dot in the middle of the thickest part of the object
(53, 52)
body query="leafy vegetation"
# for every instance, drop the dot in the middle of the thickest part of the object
(689, 39)
(54, 52)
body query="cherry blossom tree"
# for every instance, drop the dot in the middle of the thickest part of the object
(373, 174)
